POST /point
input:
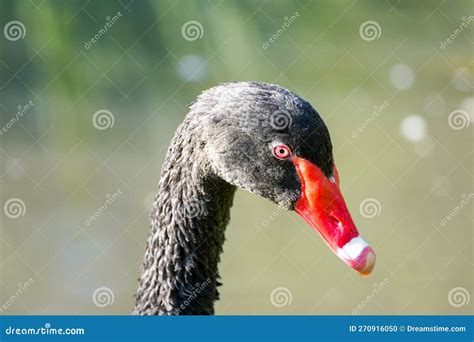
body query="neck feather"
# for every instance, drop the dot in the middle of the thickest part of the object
(188, 220)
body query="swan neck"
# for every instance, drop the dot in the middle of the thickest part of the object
(188, 220)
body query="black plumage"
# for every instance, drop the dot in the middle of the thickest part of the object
(224, 142)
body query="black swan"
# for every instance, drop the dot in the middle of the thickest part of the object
(256, 136)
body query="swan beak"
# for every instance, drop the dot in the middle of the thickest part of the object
(322, 206)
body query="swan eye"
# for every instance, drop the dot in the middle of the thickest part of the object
(281, 152)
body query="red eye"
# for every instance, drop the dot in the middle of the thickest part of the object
(281, 152)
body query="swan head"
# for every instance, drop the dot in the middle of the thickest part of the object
(267, 140)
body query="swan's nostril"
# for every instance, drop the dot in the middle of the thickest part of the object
(335, 221)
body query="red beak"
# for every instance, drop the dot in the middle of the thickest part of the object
(322, 206)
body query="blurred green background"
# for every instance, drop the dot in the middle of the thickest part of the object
(411, 159)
